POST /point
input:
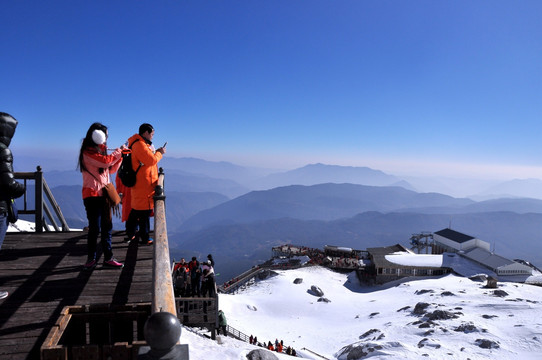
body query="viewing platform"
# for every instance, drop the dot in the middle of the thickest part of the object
(43, 273)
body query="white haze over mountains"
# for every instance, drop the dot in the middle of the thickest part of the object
(259, 178)
(450, 317)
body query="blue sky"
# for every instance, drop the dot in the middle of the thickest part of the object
(418, 87)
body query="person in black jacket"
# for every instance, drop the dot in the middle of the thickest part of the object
(9, 188)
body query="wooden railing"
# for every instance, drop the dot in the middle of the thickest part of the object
(163, 298)
(162, 329)
(41, 207)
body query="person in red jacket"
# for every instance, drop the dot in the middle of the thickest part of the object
(96, 166)
(125, 194)
(142, 192)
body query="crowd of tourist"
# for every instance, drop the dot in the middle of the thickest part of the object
(194, 279)
(277, 346)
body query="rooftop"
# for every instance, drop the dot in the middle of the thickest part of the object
(487, 258)
(454, 235)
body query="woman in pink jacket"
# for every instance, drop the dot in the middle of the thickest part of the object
(96, 167)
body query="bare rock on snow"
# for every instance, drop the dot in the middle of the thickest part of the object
(489, 316)
(323, 299)
(487, 344)
(361, 350)
(420, 307)
(265, 274)
(429, 342)
(441, 315)
(315, 290)
(373, 334)
(424, 291)
(425, 324)
(466, 328)
(298, 281)
(500, 293)
(478, 278)
(358, 351)
(261, 354)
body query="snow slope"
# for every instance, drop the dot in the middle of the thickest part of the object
(380, 321)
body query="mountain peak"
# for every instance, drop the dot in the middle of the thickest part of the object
(319, 173)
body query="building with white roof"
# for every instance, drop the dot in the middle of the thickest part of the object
(499, 264)
(448, 240)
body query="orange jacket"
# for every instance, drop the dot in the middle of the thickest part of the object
(147, 176)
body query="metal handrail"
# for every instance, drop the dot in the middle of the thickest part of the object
(237, 334)
(41, 207)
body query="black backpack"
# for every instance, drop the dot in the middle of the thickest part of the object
(126, 172)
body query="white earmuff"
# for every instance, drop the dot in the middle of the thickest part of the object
(98, 136)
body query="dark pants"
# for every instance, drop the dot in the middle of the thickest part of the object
(3, 227)
(208, 286)
(99, 222)
(141, 218)
(196, 286)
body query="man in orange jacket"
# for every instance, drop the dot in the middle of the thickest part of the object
(142, 201)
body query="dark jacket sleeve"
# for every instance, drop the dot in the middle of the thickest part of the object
(9, 187)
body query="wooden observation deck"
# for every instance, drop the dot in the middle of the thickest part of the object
(58, 310)
(44, 272)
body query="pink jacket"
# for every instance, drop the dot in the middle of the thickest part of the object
(93, 181)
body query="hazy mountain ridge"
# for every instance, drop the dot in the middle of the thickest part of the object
(215, 169)
(240, 246)
(176, 180)
(241, 231)
(180, 206)
(318, 202)
(259, 178)
(320, 173)
(525, 188)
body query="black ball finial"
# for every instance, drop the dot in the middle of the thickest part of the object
(162, 331)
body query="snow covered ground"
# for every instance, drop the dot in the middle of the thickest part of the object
(446, 318)
(26, 226)
(22, 226)
(441, 318)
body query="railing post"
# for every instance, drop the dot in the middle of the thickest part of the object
(38, 175)
(162, 329)
(42, 192)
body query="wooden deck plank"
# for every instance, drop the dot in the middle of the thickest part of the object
(44, 272)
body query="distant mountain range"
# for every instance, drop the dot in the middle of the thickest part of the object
(319, 202)
(237, 247)
(191, 174)
(239, 213)
(180, 206)
(320, 174)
